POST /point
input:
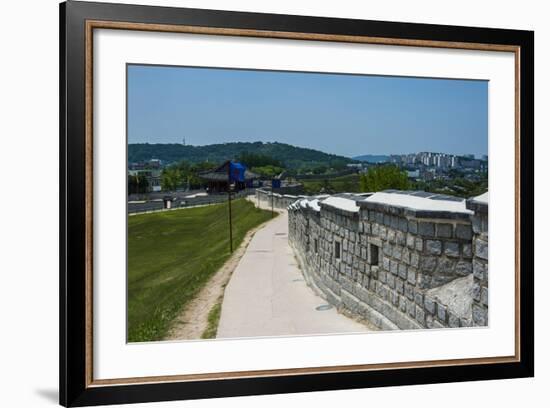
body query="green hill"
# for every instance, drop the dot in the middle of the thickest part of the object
(292, 157)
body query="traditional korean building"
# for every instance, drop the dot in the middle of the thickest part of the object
(230, 172)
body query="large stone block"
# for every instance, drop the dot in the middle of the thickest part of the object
(410, 241)
(454, 321)
(429, 321)
(479, 315)
(463, 231)
(405, 256)
(403, 225)
(420, 315)
(429, 305)
(419, 244)
(428, 263)
(403, 271)
(426, 229)
(423, 281)
(463, 268)
(415, 259)
(442, 312)
(399, 286)
(485, 296)
(387, 248)
(394, 298)
(403, 303)
(452, 249)
(480, 269)
(386, 263)
(397, 252)
(433, 247)
(481, 249)
(401, 238)
(411, 275)
(444, 230)
(418, 297)
(413, 226)
(409, 291)
(411, 309)
(390, 280)
(445, 266)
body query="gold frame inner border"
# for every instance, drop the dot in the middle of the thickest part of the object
(118, 25)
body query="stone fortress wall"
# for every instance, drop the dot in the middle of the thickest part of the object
(400, 260)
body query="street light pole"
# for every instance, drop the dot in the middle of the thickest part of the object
(229, 205)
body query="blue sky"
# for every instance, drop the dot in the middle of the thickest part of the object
(348, 115)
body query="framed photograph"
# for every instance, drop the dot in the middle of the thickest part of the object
(257, 204)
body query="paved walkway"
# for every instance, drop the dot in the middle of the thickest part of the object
(267, 295)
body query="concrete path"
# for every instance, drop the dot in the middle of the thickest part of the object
(267, 295)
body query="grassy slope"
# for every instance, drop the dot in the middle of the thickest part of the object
(171, 255)
(348, 183)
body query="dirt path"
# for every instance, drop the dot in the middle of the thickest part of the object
(193, 320)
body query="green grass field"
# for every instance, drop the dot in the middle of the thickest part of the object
(171, 256)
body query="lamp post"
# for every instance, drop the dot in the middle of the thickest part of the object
(229, 205)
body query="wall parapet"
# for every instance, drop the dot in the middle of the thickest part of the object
(401, 260)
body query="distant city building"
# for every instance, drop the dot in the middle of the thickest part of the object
(153, 177)
(151, 170)
(440, 161)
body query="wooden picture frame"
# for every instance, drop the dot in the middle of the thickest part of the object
(78, 20)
